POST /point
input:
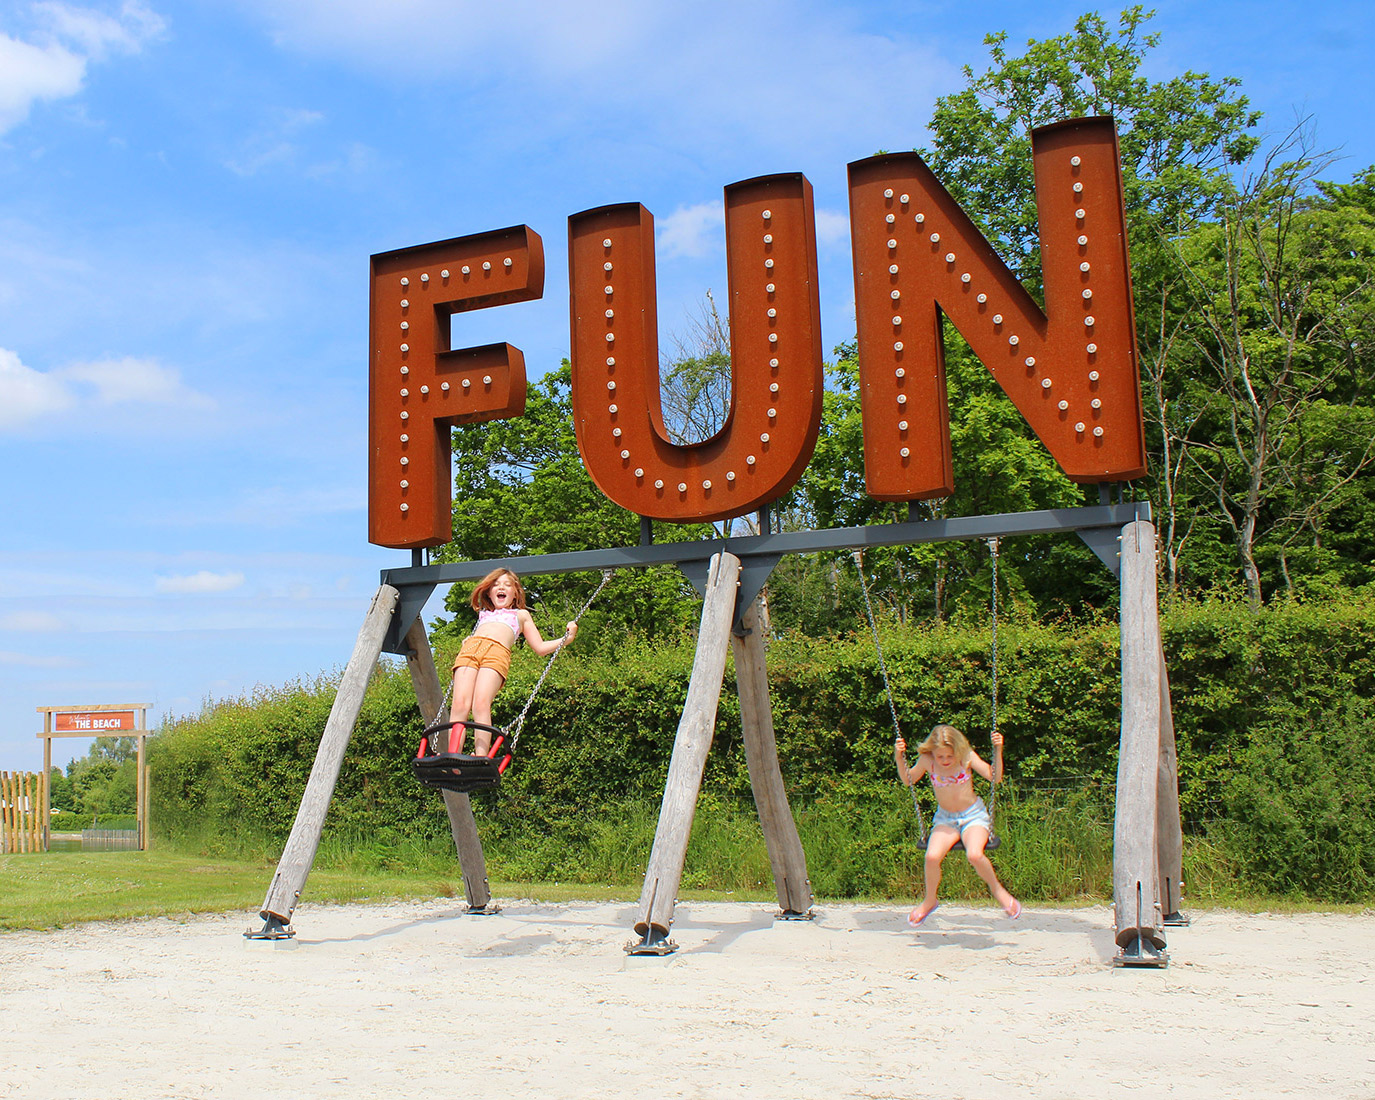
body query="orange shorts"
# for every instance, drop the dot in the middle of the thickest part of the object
(478, 652)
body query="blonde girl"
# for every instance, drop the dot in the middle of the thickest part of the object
(485, 658)
(946, 756)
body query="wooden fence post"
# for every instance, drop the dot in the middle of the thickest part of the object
(665, 870)
(22, 800)
(6, 832)
(294, 867)
(1136, 893)
(472, 864)
(786, 857)
(47, 790)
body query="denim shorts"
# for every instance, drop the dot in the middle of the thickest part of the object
(977, 814)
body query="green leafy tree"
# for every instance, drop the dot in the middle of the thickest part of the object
(60, 794)
(695, 380)
(1179, 139)
(105, 780)
(1283, 293)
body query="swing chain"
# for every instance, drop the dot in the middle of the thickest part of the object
(878, 646)
(887, 687)
(993, 553)
(443, 710)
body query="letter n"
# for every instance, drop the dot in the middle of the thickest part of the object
(419, 389)
(1071, 370)
(776, 370)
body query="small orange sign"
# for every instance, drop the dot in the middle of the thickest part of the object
(94, 721)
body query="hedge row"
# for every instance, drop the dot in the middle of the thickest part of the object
(1267, 707)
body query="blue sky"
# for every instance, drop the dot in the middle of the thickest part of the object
(190, 191)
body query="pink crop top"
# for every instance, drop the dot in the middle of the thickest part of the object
(962, 776)
(504, 615)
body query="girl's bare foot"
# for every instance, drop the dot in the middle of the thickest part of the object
(920, 913)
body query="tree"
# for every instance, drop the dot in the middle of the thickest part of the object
(1179, 138)
(60, 794)
(999, 467)
(104, 781)
(695, 381)
(1283, 289)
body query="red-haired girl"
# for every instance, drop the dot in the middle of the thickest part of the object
(485, 658)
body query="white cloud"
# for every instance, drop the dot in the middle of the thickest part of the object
(200, 583)
(29, 73)
(274, 506)
(832, 227)
(130, 380)
(27, 660)
(28, 396)
(443, 35)
(32, 622)
(805, 79)
(699, 231)
(53, 64)
(98, 34)
(275, 144)
(696, 231)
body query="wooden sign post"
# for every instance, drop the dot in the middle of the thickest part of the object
(99, 720)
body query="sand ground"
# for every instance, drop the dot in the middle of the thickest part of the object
(540, 1000)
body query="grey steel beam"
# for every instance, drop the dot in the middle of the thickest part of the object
(417, 582)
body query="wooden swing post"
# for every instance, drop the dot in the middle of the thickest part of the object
(299, 854)
(786, 857)
(1146, 754)
(430, 695)
(690, 748)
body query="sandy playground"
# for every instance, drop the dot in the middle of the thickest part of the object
(407, 999)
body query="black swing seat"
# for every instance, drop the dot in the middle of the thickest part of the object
(452, 771)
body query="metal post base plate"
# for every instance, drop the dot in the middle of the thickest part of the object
(491, 909)
(272, 929)
(793, 914)
(1175, 920)
(1141, 952)
(654, 943)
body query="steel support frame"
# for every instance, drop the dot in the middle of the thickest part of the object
(1098, 525)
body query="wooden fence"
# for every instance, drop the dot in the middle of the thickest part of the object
(22, 798)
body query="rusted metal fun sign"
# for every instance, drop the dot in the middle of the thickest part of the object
(1070, 369)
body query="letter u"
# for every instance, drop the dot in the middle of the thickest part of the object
(776, 368)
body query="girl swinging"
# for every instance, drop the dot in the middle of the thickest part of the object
(947, 757)
(482, 664)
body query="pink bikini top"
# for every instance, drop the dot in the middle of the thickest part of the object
(955, 780)
(504, 615)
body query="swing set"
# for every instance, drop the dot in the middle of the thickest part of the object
(923, 834)
(1071, 374)
(730, 575)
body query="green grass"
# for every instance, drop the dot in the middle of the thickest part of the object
(55, 889)
(1057, 850)
(59, 889)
